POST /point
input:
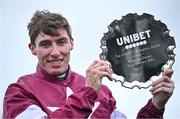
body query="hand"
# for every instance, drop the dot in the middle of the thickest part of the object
(96, 72)
(162, 89)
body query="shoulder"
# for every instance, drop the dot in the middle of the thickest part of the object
(26, 79)
(18, 88)
(22, 82)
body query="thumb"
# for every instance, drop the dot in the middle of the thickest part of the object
(168, 72)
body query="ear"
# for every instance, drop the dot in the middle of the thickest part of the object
(32, 48)
(72, 43)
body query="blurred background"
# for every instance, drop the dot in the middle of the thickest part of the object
(89, 20)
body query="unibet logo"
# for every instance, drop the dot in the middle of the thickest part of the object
(134, 40)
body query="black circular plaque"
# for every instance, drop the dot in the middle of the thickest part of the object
(137, 48)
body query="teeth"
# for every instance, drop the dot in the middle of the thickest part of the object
(55, 62)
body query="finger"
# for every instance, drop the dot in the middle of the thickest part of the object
(93, 67)
(99, 70)
(100, 74)
(94, 62)
(162, 79)
(98, 63)
(163, 84)
(166, 90)
(101, 65)
(168, 72)
(104, 68)
(106, 74)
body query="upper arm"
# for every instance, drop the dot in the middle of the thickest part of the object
(17, 101)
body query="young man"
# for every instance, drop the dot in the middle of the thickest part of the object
(54, 91)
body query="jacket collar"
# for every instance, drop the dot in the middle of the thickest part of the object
(42, 74)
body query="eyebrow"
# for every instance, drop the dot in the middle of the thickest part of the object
(62, 38)
(44, 41)
(41, 42)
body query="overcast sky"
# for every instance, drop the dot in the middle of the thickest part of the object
(89, 20)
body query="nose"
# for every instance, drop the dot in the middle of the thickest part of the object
(55, 52)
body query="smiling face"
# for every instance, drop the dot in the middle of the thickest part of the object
(53, 52)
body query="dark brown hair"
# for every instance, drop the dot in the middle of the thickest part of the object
(48, 23)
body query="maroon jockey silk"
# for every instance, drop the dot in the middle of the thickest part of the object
(41, 95)
(150, 111)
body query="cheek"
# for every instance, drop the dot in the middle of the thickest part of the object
(65, 51)
(41, 54)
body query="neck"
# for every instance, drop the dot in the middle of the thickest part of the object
(63, 75)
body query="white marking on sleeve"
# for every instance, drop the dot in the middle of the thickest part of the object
(32, 112)
(116, 114)
(96, 104)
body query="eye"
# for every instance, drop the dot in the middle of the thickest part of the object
(62, 41)
(45, 44)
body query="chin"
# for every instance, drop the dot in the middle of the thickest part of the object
(56, 72)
